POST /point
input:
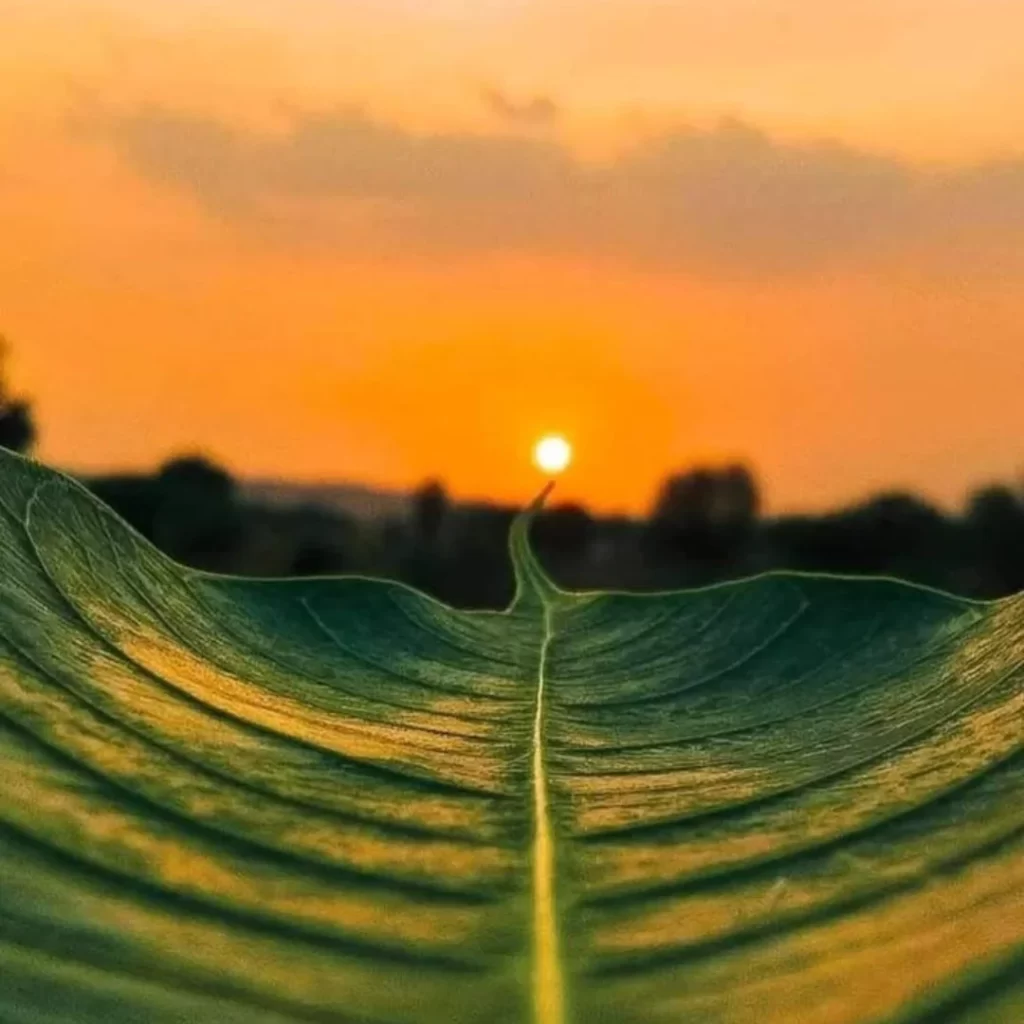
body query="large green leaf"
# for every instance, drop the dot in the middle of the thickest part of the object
(787, 799)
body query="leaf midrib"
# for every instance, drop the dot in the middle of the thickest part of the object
(548, 982)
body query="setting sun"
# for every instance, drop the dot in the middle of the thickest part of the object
(552, 454)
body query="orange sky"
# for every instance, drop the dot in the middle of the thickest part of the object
(390, 239)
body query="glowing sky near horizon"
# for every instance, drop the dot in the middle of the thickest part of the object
(385, 240)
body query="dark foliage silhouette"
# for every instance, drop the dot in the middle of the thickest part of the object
(702, 522)
(429, 509)
(706, 525)
(995, 523)
(17, 424)
(564, 533)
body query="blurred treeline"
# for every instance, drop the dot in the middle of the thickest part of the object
(705, 525)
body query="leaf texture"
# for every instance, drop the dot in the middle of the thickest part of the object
(787, 799)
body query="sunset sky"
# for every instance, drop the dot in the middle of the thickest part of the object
(382, 240)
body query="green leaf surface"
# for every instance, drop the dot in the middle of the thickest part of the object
(787, 799)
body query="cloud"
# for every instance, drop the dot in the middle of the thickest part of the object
(726, 200)
(538, 111)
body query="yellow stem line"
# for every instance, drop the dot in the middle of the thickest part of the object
(548, 986)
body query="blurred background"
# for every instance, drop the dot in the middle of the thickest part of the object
(704, 524)
(296, 286)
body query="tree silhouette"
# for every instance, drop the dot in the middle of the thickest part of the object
(430, 505)
(17, 425)
(564, 532)
(477, 571)
(133, 496)
(705, 514)
(197, 515)
(893, 534)
(324, 540)
(995, 524)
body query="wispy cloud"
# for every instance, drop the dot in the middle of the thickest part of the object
(728, 199)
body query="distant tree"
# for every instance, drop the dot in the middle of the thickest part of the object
(685, 502)
(894, 527)
(133, 497)
(325, 541)
(316, 558)
(994, 505)
(705, 514)
(739, 499)
(198, 477)
(564, 532)
(477, 573)
(197, 518)
(17, 425)
(995, 523)
(891, 534)
(430, 505)
(421, 559)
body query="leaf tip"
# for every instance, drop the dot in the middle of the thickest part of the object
(532, 582)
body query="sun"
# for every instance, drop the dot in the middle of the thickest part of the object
(552, 454)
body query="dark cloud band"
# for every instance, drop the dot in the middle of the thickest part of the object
(729, 199)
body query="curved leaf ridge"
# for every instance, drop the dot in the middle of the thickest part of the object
(339, 801)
